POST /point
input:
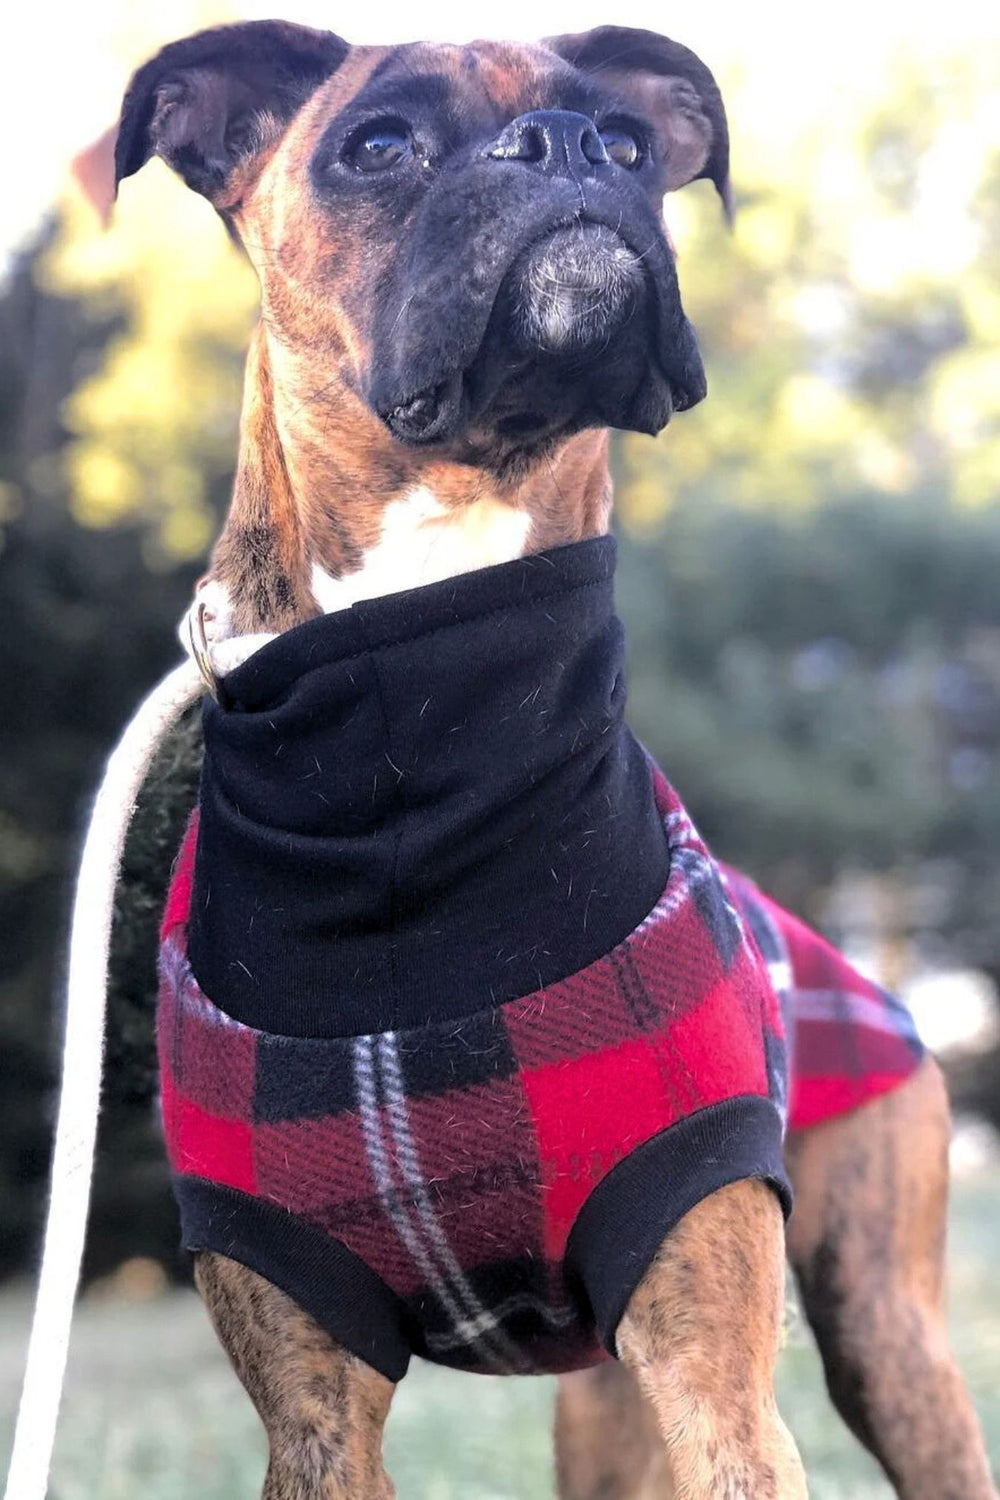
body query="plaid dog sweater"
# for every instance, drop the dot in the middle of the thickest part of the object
(458, 1016)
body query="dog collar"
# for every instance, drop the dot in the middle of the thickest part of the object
(424, 803)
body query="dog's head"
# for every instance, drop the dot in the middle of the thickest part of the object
(468, 239)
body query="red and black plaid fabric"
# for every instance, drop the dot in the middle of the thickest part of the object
(848, 1039)
(487, 1191)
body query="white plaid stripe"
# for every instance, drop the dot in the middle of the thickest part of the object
(774, 950)
(556, 1317)
(411, 1235)
(364, 1076)
(681, 833)
(830, 1005)
(480, 1325)
(673, 898)
(691, 865)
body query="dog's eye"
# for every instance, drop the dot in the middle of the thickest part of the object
(379, 147)
(621, 145)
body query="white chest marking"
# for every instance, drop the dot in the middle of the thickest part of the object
(422, 542)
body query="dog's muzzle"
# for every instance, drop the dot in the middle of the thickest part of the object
(538, 295)
(575, 288)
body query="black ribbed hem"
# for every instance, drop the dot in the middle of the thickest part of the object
(323, 1277)
(629, 1214)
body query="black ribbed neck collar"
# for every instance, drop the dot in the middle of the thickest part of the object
(424, 804)
(416, 614)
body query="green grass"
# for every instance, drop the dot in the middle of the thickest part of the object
(152, 1409)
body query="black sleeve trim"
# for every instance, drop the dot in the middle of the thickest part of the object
(325, 1279)
(629, 1214)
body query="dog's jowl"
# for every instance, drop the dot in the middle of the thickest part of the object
(469, 1048)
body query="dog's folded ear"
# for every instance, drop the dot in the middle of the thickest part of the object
(209, 103)
(667, 84)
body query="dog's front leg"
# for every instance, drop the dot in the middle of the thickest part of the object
(324, 1409)
(701, 1332)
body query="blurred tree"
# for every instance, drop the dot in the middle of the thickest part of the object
(852, 323)
(824, 685)
(153, 426)
(69, 582)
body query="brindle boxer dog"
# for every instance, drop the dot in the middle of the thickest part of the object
(465, 282)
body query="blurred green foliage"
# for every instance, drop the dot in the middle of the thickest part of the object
(808, 559)
(153, 426)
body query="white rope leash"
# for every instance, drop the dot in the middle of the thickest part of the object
(83, 1045)
(80, 1093)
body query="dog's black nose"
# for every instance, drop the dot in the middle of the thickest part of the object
(552, 140)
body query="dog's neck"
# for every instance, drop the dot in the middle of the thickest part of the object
(328, 509)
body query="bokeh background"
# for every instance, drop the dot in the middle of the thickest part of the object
(810, 570)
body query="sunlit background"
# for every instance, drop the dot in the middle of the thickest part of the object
(810, 565)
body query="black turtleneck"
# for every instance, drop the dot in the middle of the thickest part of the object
(424, 804)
